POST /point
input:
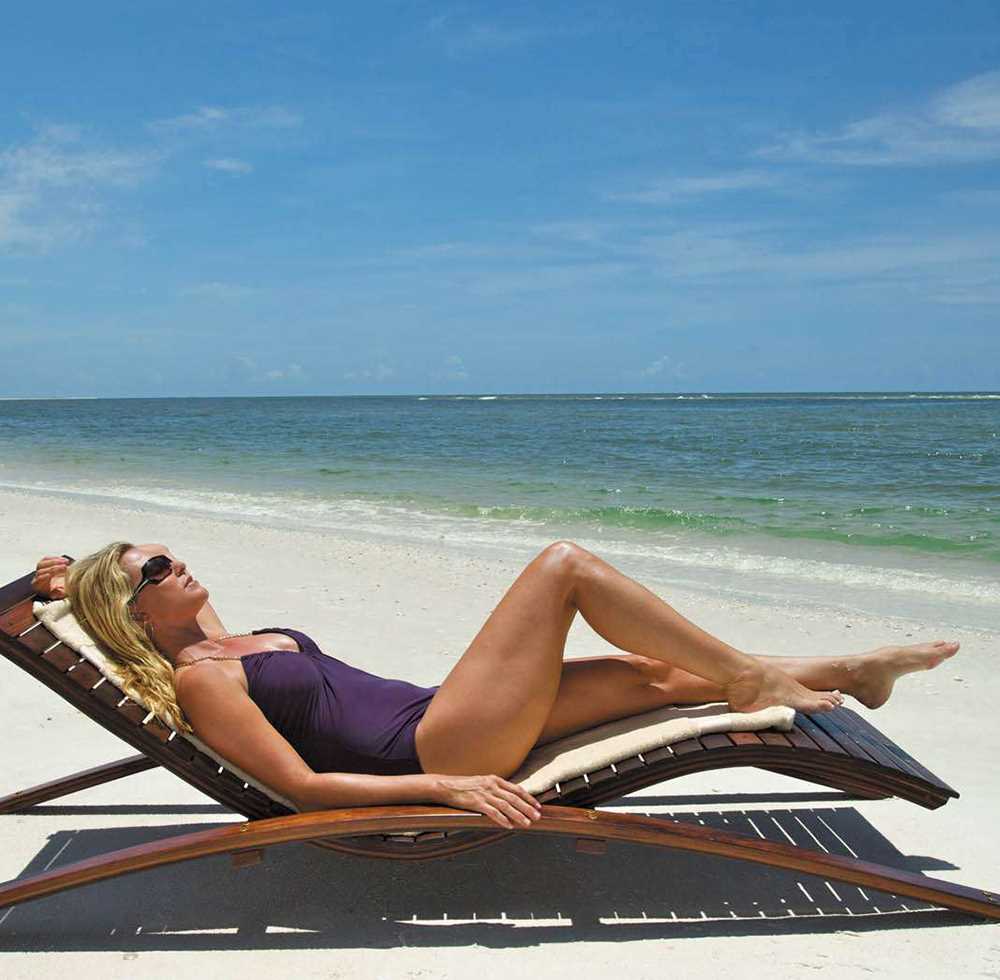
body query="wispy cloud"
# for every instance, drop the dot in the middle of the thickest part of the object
(225, 292)
(59, 157)
(230, 165)
(454, 370)
(664, 367)
(703, 256)
(960, 124)
(293, 372)
(207, 119)
(463, 34)
(460, 35)
(380, 372)
(54, 186)
(671, 190)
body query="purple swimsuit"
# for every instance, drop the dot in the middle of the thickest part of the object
(337, 717)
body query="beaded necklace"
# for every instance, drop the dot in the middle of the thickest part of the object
(225, 636)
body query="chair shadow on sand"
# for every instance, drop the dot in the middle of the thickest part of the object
(531, 889)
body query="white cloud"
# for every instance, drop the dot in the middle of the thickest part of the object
(463, 36)
(705, 256)
(666, 367)
(230, 165)
(215, 118)
(225, 292)
(673, 189)
(381, 372)
(960, 124)
(974, 103)
(54, 185)
(57, 157)
(454, 369)
(245, 361)
(579, 232)
(293, 372)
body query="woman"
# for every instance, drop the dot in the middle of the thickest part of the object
(325, 734)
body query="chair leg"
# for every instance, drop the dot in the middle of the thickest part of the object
(84, 779)
(556, 820)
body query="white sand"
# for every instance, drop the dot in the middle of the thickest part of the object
(409, 610)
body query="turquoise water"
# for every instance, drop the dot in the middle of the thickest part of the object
(853, 486)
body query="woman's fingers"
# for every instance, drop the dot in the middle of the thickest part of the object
(49, 577)
(519, 809)
(521, 793)
(496, 815)
(50, 562)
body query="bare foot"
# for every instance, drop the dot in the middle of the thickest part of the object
(760, 686)
(876, 672)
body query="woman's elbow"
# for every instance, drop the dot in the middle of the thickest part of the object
(304, 796)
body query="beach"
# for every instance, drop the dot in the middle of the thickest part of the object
(406, 606)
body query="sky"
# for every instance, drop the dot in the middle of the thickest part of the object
(416, 198)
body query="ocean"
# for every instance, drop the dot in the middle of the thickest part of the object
(874, 501)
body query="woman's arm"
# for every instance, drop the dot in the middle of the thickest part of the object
(505, 803)
(50, 580)
(336, 789)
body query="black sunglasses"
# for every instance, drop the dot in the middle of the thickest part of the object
(155, 570)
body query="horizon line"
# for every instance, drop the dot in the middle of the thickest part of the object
(522, 394)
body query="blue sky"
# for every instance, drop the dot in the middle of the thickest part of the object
(391, 198)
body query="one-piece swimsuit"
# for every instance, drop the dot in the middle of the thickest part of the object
(339, 718)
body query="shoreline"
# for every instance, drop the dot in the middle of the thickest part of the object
(824, 580)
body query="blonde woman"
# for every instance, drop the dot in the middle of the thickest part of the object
(326, 734)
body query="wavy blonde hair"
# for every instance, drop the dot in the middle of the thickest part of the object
(98, 589)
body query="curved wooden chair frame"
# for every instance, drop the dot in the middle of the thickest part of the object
(838, 749)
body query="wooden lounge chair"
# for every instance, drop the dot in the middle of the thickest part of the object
(837, 749)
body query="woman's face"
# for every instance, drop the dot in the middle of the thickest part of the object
(173, 601)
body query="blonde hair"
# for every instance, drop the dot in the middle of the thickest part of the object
(98, 589)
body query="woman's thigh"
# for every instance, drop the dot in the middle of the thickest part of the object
(595, 690)
(494, 703)
(592, 691)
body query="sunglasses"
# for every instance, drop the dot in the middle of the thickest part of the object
(154, 571)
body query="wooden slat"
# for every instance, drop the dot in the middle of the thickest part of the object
(157, 729)
(849, 745)
(15, 593)
(38, 639)
(602, 775)
(62, 657)
(716, 740)
(108, 694)
(801, 740)
(686, 746)
(131, 711)
(774, 738)
(17, 619)
(660, 754)
(863, 727)
(745, 738)
(85, 674)
(817, 734)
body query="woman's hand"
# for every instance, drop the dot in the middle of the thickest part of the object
(505, 803)
(50, 577)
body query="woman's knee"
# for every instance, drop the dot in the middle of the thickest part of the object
(567, 562)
